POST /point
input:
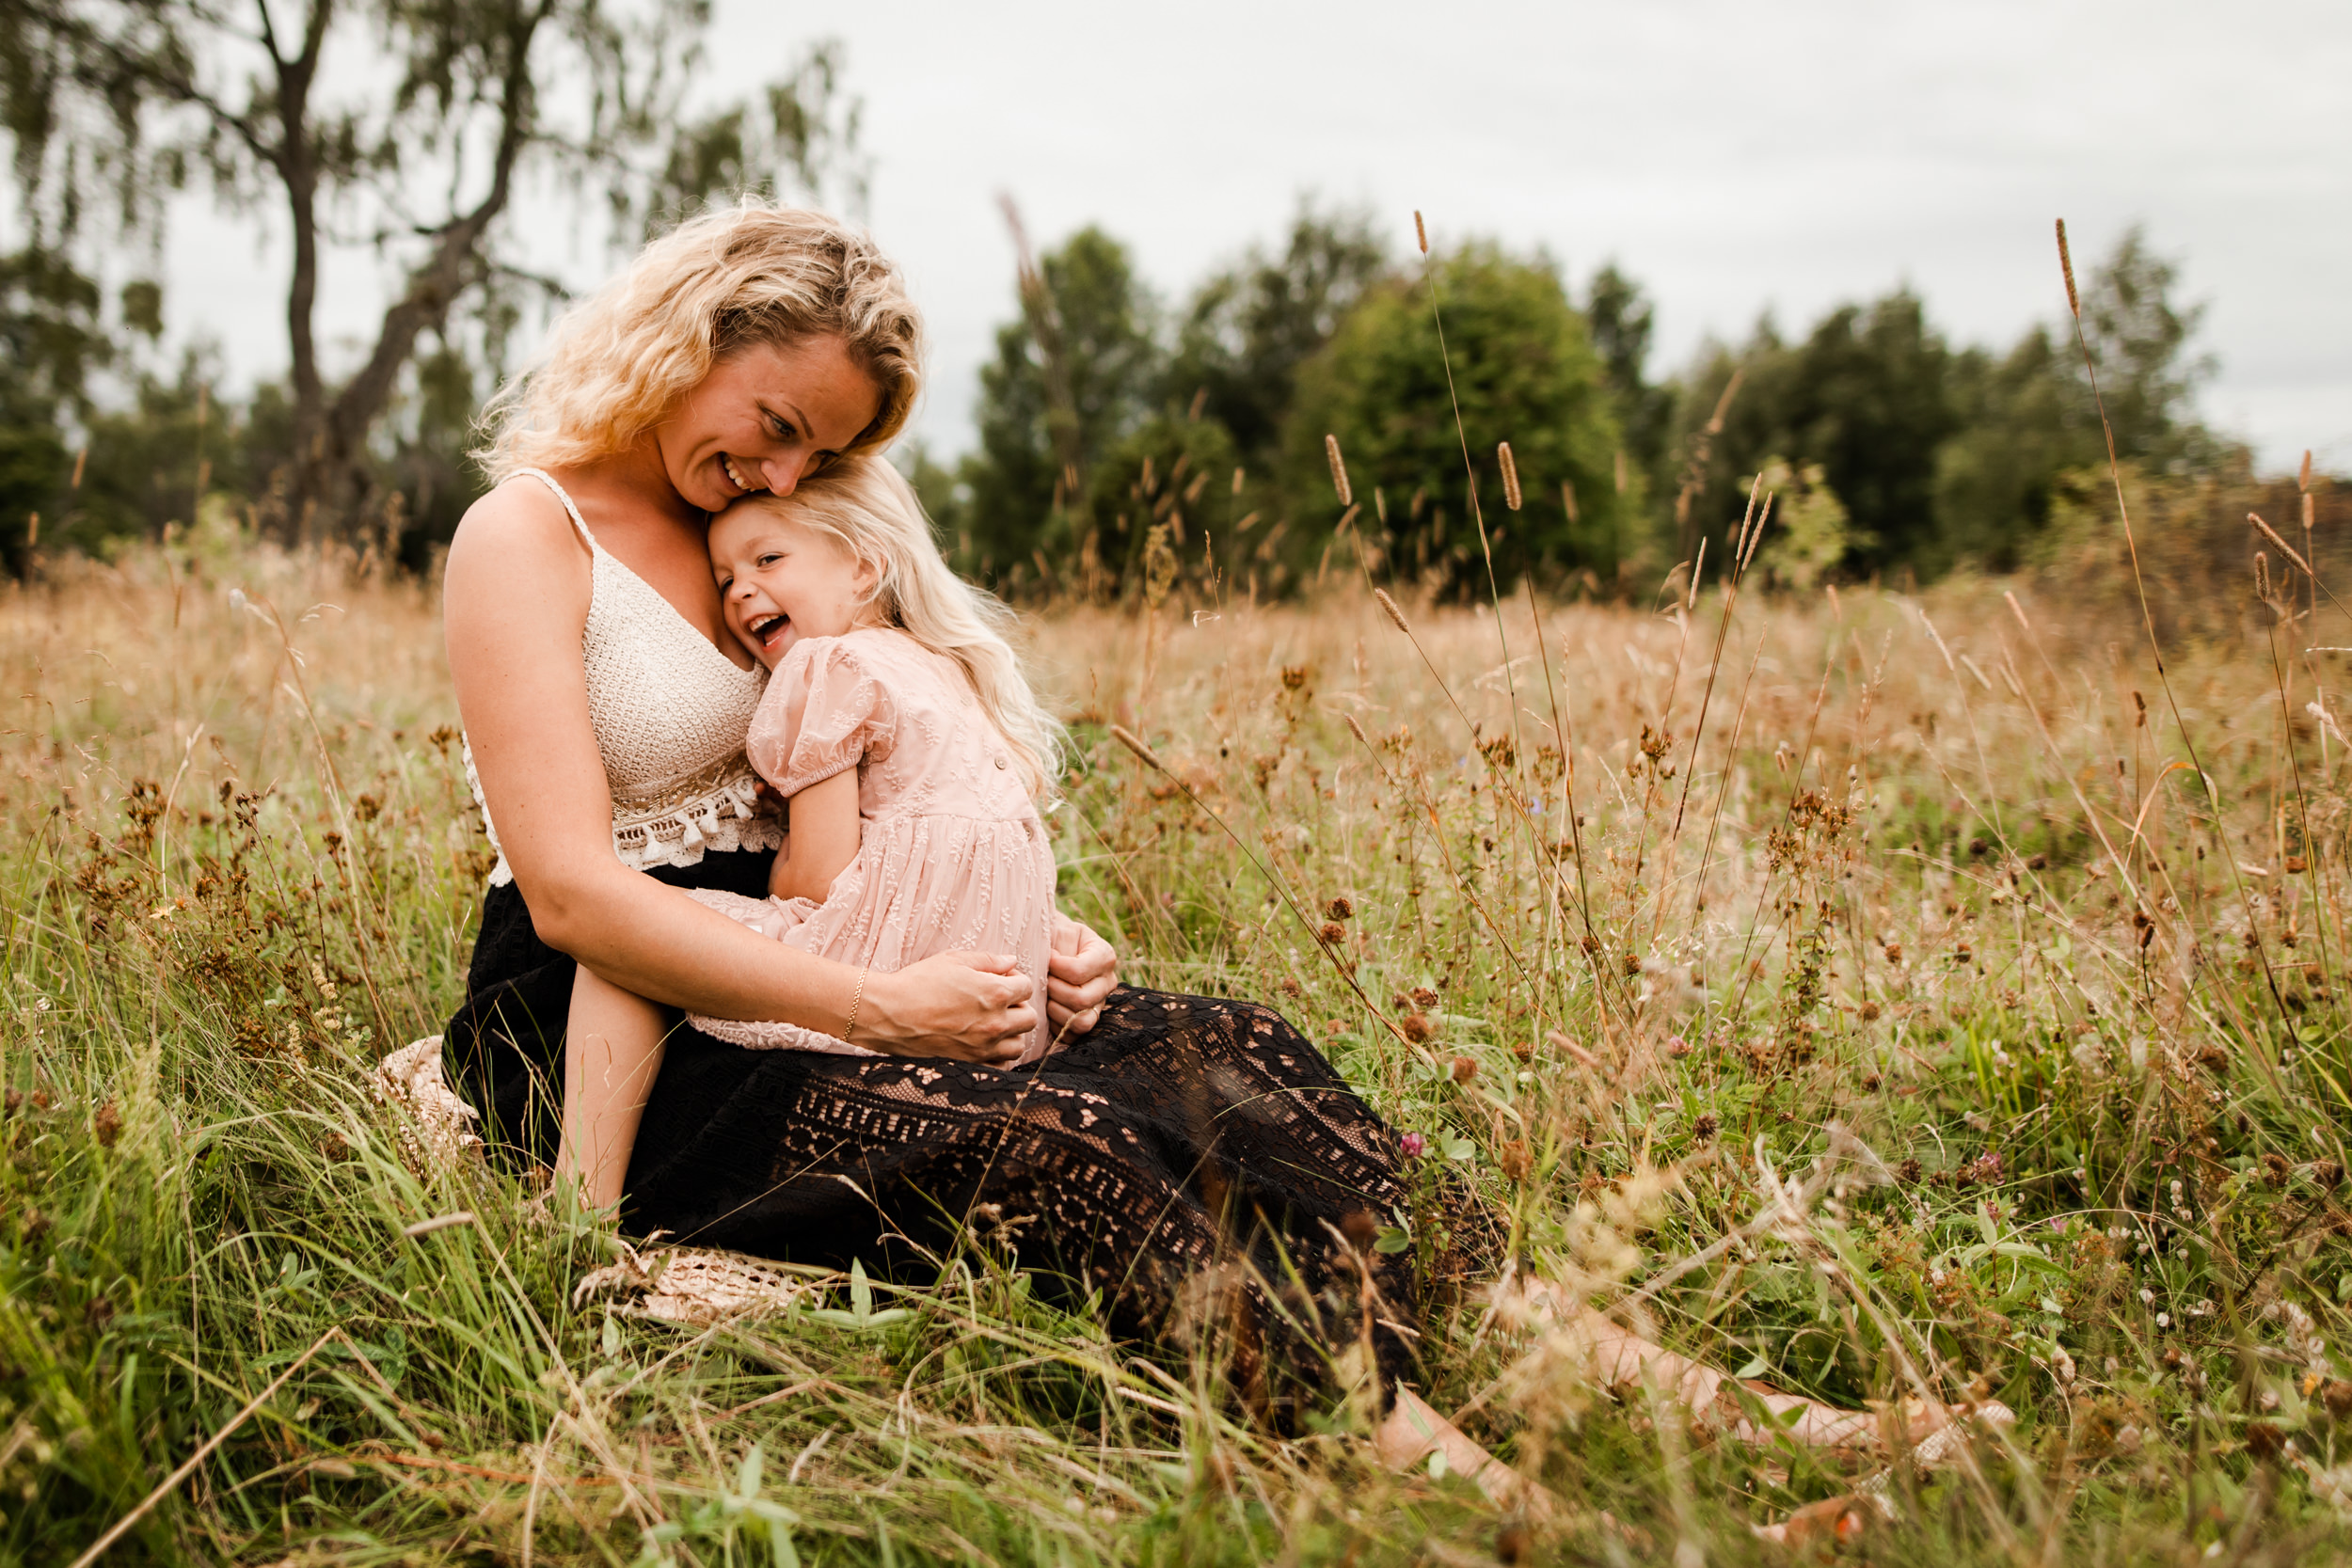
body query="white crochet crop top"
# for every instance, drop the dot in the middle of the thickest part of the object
(670, 712)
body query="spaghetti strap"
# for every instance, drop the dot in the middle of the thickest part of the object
(569, 509)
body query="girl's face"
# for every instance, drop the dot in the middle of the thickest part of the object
(781, 581)
(765, 419)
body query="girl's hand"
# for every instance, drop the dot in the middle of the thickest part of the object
(973, 1007)
(1079, 973)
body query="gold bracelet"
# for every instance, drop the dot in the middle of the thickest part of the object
(856, 997)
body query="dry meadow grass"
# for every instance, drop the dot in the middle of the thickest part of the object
(1873, 996)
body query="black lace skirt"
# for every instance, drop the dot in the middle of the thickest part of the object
(1195, 1163)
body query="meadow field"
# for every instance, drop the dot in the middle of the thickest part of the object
(1894, 997)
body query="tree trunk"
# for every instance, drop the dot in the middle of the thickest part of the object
(297, 167)
(331, 479)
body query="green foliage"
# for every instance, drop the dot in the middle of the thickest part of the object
(1522, 370)
(1811, 532)
(1172, 476)
(50, 341)
(1619, 316)
(1250, 326)
(796, 134)
(2021, 425)
(1943, 456)
(1044, 426)
(1866, 397)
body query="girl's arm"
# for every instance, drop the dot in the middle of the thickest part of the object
(826, 831)
(515, 600)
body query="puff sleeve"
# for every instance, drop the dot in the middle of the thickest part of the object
(826, 710)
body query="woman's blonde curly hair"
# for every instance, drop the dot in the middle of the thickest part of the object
(617, 362)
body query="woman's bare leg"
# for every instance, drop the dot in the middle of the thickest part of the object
(1413, 1432)
(1620, 1359)
(612, 1053)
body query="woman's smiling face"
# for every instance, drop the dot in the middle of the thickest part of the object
(766, 417)
(780, 580)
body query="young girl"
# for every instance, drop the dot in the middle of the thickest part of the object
(911, 754)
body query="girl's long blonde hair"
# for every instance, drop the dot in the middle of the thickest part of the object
(617, 362)
(868, 505)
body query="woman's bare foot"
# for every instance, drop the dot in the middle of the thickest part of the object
(1413, 1432)
(1619, 1360)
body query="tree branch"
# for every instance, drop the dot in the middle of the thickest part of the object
(435, 285)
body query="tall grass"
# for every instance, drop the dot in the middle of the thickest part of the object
(1927, 951)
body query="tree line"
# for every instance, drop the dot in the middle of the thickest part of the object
(1124, 443)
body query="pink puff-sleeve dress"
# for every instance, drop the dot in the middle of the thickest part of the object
(952, 854)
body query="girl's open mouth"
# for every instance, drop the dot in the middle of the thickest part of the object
(765, 632)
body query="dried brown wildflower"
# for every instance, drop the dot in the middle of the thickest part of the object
(1416, 1028)
(1463, 1069)
(108, 1125)
(1339, 909)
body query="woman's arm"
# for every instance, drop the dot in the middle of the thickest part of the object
(826, 832)
(515, 600)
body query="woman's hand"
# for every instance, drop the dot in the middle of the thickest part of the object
(1079, 973)
(973, 1007)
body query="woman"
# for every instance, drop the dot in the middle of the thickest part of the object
(1174, 1154)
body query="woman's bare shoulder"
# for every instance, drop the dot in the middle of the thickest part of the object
(517, 577)
(519, 524)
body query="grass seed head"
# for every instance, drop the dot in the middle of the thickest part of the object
(1339, 469)
(1420, 232)
(1387, 608)
(1510, 475)
(1128, 738)
(2066, 264)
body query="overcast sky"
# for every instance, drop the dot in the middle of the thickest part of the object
(1734, 157)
